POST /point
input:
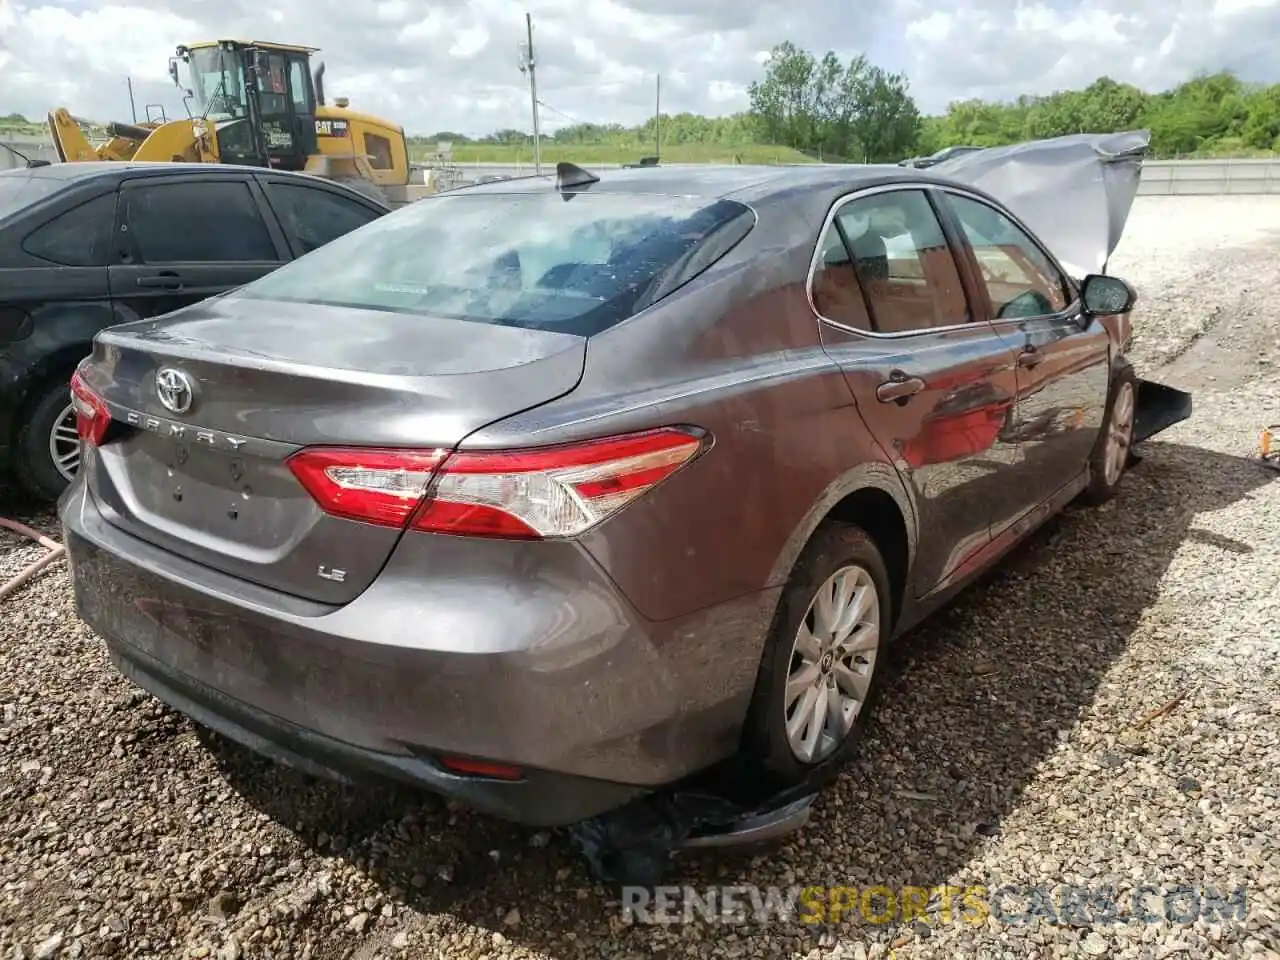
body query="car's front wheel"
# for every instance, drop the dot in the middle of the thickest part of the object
(1110, 454)
(818, 675)
(48, 449)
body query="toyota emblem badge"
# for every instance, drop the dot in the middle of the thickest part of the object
(174, 389)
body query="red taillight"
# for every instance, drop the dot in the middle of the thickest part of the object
(92, 416)
(553, 492)
(376, 486)
(528, 494)
(481, 768)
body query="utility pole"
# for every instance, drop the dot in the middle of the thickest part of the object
(132, 107)
(657, 120)
(527, 63)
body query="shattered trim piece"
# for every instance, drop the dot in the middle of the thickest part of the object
(1159, 407)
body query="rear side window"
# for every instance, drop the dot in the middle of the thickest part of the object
(79, 237)
(837, 295)
(576, 264)
(214, 221)
(18, 190)
(314, 217)
(903, 262)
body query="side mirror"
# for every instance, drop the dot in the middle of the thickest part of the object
(1105, 296)
(173, 71)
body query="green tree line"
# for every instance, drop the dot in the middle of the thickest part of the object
(837, 110)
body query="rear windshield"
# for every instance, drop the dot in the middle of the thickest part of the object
(20, 189)
(574, 263)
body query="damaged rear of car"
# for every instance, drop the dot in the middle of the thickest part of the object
(593, 501)
(1075, 193)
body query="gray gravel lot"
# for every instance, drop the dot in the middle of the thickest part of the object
(1103, 711)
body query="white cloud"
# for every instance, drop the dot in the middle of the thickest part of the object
(452, 65)
(1001, 48)
(932, 28)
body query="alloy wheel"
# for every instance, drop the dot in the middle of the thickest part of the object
(64, 444)
(1119, 434)
(832, 662)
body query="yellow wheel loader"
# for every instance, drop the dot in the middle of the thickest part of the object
(257, 103)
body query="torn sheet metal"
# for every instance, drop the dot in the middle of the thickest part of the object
(632, 845)
(1074, 192)
(1158, 408)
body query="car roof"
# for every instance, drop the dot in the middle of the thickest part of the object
(107, 169)
(714, 182)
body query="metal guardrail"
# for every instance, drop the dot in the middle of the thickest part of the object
(1159, 177)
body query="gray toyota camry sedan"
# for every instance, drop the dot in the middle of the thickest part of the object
(549, 493)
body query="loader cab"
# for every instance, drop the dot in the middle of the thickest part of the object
(260, 97)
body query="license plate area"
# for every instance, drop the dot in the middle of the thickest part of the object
(217, 499)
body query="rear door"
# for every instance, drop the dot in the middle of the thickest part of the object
(1063, 356)
(932, 379)
(181, 239)
(313, 215)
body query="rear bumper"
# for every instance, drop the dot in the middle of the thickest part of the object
(540, 665)
(538, 799)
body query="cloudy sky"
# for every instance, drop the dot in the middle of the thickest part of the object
(452, 64)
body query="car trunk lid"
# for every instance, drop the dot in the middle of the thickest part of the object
(256, 380)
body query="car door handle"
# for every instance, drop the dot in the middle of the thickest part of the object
(899, 388)
(167, 281)
(1030, 357)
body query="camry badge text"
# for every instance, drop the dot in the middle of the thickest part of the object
(179, 431)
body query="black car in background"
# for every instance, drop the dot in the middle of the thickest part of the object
(85, 246)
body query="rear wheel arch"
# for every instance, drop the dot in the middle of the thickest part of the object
(36, 464)
(59, 365)
(871, 497)
(864, 529)
(876, 513)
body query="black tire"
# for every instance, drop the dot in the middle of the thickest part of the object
(766, 751)
(33, 465)
(366, 188)
(1101, 489)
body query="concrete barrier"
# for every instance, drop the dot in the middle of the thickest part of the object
(37, 148)
(1209, 177)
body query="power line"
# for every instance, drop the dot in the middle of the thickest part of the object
(546, 106)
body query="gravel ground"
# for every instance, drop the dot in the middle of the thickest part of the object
(1104, 710)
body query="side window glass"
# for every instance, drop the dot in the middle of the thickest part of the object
(379, 151)
(837, 295)
(298, 85)
(314, 217)
(80, 237)
(903, 262)
(1020, 279)
(197, 223)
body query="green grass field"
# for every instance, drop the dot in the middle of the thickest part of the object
(464, 153)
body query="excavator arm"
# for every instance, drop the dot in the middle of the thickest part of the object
(191, 141)
(69, 140)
